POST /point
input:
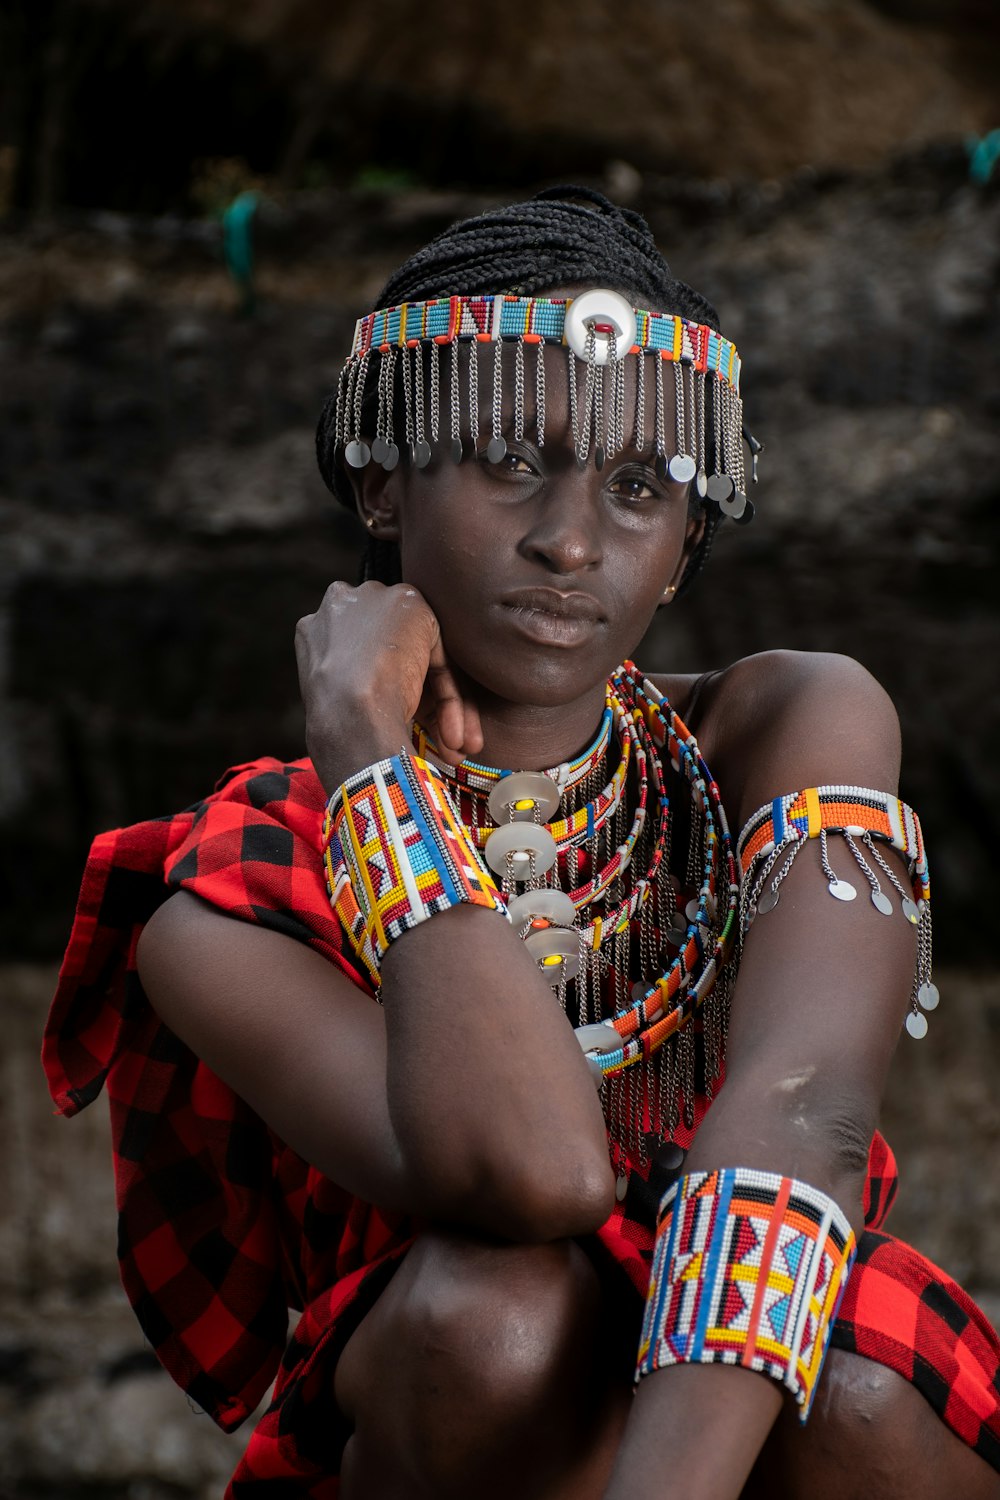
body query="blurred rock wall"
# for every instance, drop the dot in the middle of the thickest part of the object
(162, 525)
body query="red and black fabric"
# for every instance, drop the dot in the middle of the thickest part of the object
(222, 1227)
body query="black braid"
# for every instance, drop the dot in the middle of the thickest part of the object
(564, 236)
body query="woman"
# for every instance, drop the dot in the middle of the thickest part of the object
(540, 467)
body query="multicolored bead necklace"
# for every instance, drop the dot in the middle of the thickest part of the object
(633, 956)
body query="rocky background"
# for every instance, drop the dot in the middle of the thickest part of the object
(162, 525)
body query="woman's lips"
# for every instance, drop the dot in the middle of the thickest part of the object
(552, 618)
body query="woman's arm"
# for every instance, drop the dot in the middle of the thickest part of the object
(464, 1097)
(819, 1003)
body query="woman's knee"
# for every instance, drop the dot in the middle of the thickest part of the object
(870, 1432)
(474, 1346)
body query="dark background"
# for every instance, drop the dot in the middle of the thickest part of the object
(162, 523)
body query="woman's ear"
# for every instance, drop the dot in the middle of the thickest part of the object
(692, 536)
(375, 495)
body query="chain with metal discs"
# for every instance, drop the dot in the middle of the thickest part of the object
(770, 864)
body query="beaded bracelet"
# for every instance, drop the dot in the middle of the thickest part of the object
(748, 1269)
(864, 818)
(396, 854)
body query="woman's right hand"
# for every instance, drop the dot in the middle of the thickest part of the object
(369, 660)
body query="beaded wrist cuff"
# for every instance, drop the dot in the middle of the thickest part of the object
(748, 1269)
(396, 854)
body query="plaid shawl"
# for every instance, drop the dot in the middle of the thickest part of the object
(222, 1227)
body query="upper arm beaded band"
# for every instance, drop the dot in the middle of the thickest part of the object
(749, 1269)
(396, 854)
(771, 839)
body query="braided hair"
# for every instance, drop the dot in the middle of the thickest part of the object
(564, 236)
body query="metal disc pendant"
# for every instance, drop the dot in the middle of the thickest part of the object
(881, 903)
(391, 458)
(530, 849)
(599, 457)
(556, 951)
(661, 466)
(357, 453)
(669, 1157)
(747, 514)
(379, 450)
(676, 936)
(456, 450)
(691, 910)
(496, 450)
(768, 901)
(929, 996)
(701, 484)
(843, 890)
(916, 1024)
(421, 453)
(911, 910)
(682, 468)
(621, 1187)
(524, 792)
(554, 906)
(719, 487)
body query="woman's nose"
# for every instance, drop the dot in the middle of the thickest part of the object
(565, 532)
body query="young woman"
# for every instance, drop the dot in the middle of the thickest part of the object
(621, 1056)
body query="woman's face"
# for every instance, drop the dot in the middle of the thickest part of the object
(543, 573)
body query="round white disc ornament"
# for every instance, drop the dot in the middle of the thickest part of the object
(532, 850)
(600, 309)
(524, 793)
(556, 951)
(554, 905)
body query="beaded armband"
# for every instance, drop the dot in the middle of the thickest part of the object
(748, 1269)
(396, 854)
(864, 819)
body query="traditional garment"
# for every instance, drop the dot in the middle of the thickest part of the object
(223, 1227)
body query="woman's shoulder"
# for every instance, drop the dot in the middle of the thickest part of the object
(801, 714)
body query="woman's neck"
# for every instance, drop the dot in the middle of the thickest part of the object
(532, 737)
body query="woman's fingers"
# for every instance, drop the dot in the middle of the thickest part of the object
(456, 718)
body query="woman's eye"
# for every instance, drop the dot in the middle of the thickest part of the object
(632, 487)
(513, 463)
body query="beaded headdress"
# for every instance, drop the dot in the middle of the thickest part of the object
(395, 364)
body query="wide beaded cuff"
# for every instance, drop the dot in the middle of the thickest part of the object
(397, 854)
(748, 1269)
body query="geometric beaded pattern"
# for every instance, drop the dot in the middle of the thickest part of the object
(441, 320)
(748, 1269)
(396, 854)
(836, 809)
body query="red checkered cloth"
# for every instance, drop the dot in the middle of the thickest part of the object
(222, 1227)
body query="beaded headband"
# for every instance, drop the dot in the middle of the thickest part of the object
(598, 329)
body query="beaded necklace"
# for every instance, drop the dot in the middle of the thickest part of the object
(631, 946)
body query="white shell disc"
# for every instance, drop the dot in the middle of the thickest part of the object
(523, 786)
(599, 1037)
(552, 904)
(520, 841)
(556, 951)
(592, 309)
